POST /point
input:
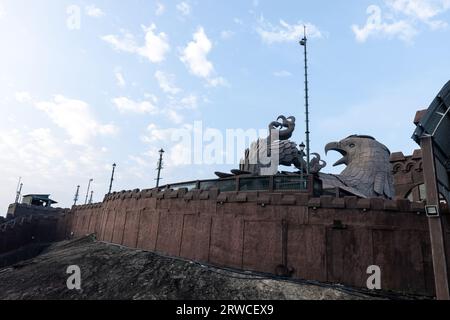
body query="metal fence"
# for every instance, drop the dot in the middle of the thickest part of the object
(264, 183)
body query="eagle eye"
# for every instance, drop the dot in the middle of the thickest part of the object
(352, 145)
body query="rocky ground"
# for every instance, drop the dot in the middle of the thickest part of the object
(113, 272)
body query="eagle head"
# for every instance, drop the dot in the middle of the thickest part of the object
(368, 168)
(358, 148)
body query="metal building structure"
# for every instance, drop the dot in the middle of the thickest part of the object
(433, 135)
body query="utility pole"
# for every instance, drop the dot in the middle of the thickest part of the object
(112, 177)
(91, 198)
(77, 194)
(304, 43)
(87, 192)
(19, 190)
(160, 167)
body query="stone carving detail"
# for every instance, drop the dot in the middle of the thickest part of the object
(263, 152)
(264, 155)
(368, 173)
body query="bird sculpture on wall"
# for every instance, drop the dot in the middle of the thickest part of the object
(368, 173)
(276, 147)
(266, 154)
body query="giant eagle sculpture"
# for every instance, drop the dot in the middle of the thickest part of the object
(368, 172)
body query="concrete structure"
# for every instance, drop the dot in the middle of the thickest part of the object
(40, 200)
(408, 176)
(325, 239)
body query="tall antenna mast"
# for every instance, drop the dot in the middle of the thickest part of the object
(160, 167)
(77, 194)
(18, 190)
(112, 177)
(304, 43)
(87, 192)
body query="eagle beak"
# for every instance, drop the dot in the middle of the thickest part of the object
(336, 146)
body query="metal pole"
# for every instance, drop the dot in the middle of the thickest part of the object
(438, 251)
(160, 167)
(87, 192)
(18, 189)
(91, 198)
(112, 178)
(18, 193)
(77, 194)
(304, 42)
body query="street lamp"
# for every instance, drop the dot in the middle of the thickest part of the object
(112, 177)
(92, 196)
(160, 167)
(87, 192)
(302, 147)
(75, 200)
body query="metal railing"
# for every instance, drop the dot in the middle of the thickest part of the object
(262, 183)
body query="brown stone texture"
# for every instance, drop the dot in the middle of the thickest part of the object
(169, 233)
(195, 242)
(408, 174)
(148, 229)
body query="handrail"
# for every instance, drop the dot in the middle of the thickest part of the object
(259, 183)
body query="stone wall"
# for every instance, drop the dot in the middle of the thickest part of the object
(30, 229)
(325, 239)
(408, 174)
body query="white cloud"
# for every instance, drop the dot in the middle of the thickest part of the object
(174, 116)
(184, 8)
(120, 79)
(155, 48)
(166, 82)
(217, 82)
(178, 153)
(402, 19)
(76, 118)
(285, 32)
(282, 74)
(160, 9)
(125, 43)
(94, 11)
(424, 10)
(47, 164)
(124, 105)
(226, 34)
(156, 45)
(154, 134)
(376, 26)
(23, 97)
(194, 56)
(189, 102)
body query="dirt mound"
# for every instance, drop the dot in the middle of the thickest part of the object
(114, 272)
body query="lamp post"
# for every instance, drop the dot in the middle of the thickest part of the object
(304, 43)
(112, 177)
(302, 151)
(87, 192)
(77, 194)
(92, 196)
(160, 167)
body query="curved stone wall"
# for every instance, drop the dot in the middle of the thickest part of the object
(325, 239)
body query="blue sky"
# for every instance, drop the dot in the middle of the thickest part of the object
(84, 84)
